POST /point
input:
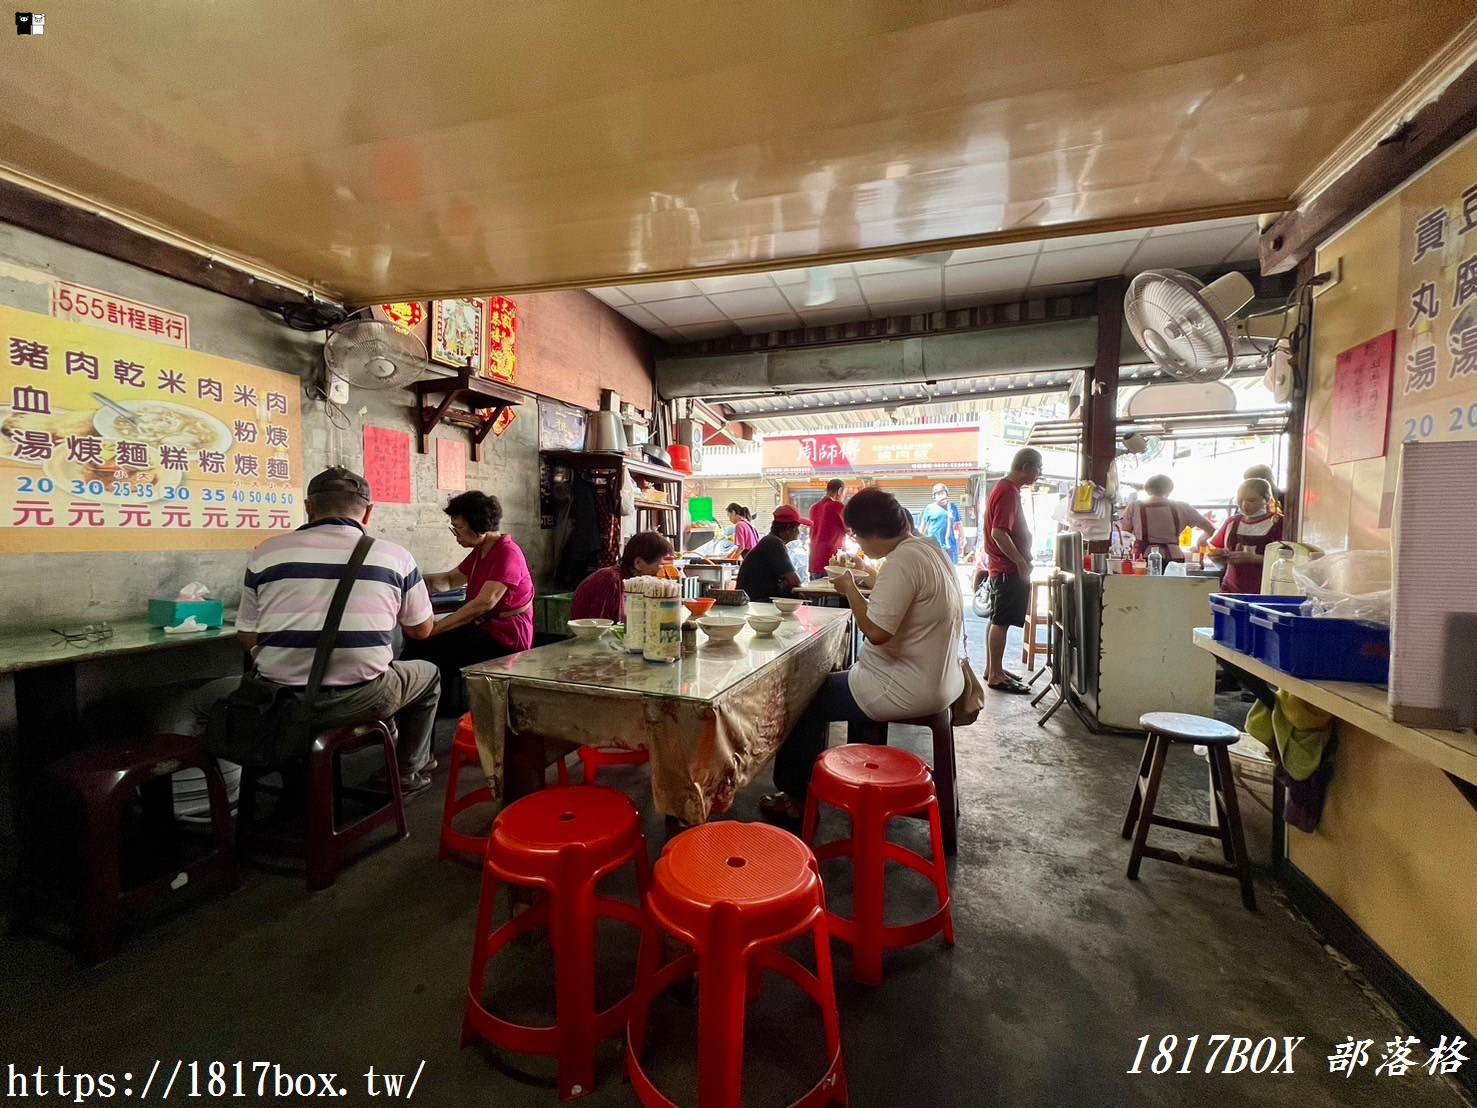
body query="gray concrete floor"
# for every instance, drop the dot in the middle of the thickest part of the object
(1061, 965)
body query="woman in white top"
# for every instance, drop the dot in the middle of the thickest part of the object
(913, 622)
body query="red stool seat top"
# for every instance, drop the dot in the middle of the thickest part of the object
(764, 876)
(528, 835)
(856, 764)
(894, 779)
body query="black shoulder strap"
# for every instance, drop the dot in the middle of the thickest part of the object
(329, 636)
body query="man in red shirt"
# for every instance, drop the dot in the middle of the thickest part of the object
(827, 528)
(1007, 548)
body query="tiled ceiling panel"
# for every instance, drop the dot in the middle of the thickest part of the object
(711, 307)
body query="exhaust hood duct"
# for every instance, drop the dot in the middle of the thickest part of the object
(1030, 348)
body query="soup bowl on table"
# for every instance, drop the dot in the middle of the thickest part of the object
(721, 629)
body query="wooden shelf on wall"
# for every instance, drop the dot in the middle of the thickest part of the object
(482, 402)
(661, 515)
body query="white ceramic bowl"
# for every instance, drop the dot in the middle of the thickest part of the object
(721, 628)
(835, 572)
(590, 628)
(786, 605)
(765, 625)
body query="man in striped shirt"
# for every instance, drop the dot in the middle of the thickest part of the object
(289, 586)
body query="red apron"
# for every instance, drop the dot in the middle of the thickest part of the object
(1246, 579)
(1142, 544)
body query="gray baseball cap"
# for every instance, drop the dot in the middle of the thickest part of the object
(339, 479)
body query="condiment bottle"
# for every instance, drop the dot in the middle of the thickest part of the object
(636, 614)
(663, 641)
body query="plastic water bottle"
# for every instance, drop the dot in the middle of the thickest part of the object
(1282, 582)
(1156, 563)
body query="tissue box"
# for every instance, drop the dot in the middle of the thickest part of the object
(168, 613)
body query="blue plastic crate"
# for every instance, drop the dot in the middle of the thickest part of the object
(1232, 613)
(1317, 648)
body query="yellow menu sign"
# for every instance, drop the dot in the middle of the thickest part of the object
(113, 442)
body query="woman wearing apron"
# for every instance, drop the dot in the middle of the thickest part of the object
(1242, 542)
(1156, 522)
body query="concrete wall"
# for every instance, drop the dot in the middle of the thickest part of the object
(570, 339)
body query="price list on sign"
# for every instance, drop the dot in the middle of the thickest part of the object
(1361, 400)
(109, 441)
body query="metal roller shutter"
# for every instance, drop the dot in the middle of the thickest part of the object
(917, 497)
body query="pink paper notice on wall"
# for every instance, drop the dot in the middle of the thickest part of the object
(1361, 400)
(451, 465)
(387, 464)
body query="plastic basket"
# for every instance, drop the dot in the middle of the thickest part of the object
(1232, 612)
(1317, 648)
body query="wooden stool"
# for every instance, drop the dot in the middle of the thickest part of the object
(1036, 619)
(1165, 728)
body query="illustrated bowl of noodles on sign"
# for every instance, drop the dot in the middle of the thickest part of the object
(139, 440)
(157, 423)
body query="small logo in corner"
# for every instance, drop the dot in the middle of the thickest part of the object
(30, 23)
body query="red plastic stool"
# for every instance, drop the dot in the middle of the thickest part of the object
(102, 781)
(463, 753)
(874, 784)
(734, 892)
(594, 758)
(562, 840)
(328, 844)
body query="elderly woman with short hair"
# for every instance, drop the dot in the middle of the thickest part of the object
(497, 617)
(913, 622)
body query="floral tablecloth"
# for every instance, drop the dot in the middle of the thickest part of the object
(709, 721)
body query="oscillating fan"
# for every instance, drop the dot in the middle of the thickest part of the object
(369, 354)
(1182, 323)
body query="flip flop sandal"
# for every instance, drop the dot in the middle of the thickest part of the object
(379, 776)
(1011, 686)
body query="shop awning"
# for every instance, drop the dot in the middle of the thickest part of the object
(1261, 421)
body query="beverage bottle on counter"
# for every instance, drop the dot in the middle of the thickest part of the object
(1282, 582)
(1156, 563)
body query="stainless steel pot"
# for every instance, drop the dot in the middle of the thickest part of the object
(605, 433)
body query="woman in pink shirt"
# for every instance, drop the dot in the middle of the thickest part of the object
(497, 617)
(602, 595)
(745, 538)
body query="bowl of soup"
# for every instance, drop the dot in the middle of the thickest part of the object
(159, 423)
